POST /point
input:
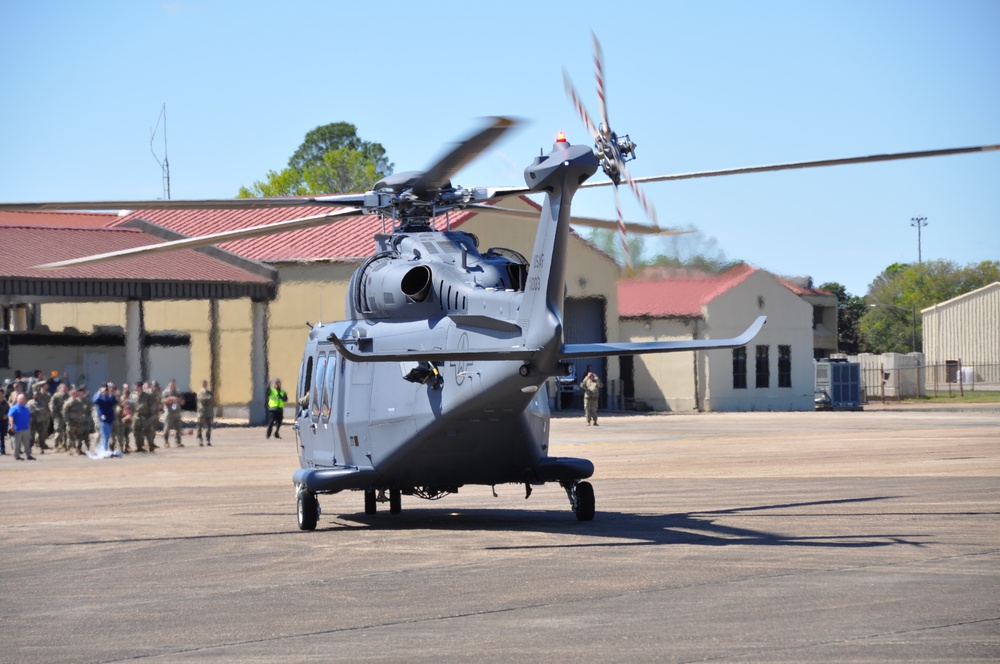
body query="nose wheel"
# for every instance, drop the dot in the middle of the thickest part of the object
(581, 499)
(307, 508)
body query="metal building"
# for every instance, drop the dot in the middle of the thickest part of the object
(962, 338)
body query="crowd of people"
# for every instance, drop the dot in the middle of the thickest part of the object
(121, 420)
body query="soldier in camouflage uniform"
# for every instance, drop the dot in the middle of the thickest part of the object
(591, 386)
(155, 389)
(123, 420)
(16, 389)
(171, 402)
(39, 407)
(58, 424)
(74, 412)
(89, 425)
(143, 418)
(206, 413)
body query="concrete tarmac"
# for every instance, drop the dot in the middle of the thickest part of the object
(753, 537)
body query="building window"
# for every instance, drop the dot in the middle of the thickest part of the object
(740, 368)
(763, 367)
(784, 366)
(817, 315)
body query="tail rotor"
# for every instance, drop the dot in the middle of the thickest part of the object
(612, 150)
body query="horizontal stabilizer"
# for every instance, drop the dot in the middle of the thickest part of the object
(572, 351)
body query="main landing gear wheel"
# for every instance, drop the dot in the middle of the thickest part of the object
(395, 501)
(584, 501)
(308, 510)
(370, 505)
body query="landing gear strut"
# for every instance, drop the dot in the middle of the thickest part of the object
(373, 498)
(581, 499)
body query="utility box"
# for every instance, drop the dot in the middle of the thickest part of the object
(841, 381)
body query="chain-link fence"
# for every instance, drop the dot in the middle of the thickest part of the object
(881, 384)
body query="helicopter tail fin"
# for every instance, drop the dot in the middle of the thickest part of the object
(575, 351)
(558, 174)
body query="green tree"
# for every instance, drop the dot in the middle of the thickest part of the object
(850, 309)
(331, 160)
(692, 250)
(895, 298)
(287, 182)
(332, 137)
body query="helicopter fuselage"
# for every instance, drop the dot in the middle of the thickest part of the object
(437, 377)
(427, 423)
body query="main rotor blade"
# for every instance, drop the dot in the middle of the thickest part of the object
(205, 240)
(804, 164)
(205, 204)
(440, 173)
(578, 105)
(591, 222)
(599, 75)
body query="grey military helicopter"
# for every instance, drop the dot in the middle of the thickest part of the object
(435, 379)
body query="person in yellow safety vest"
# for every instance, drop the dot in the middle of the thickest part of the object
(276, 398)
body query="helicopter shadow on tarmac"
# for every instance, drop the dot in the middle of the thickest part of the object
(608, 529)
(615, 529)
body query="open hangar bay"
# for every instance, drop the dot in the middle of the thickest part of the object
(867, 536)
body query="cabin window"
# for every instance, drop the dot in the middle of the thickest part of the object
(305, 377)
(784, 366)
(331, 371)
(740, 368)
(763, 367)
(317, 388)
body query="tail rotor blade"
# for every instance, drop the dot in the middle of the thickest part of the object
(643, 201)
(578, 105)
(599, 75)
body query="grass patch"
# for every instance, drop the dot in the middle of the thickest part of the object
(970, 396)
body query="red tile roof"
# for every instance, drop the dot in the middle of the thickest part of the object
(24, 247)
(800, 289)
(347, 238)
(684, 295)
(58, 219)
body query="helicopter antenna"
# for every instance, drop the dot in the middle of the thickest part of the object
(165, 164)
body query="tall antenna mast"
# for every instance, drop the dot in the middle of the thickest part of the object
(165, 164)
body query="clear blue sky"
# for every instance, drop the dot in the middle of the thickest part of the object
(698, 85)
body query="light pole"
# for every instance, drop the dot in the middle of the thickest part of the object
(913, 331)
(918, 223)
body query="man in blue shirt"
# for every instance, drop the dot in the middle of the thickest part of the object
(105, 401)
(20, 422)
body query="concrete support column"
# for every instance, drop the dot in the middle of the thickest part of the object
(214, 340)
(135, 347)
(258, 363)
